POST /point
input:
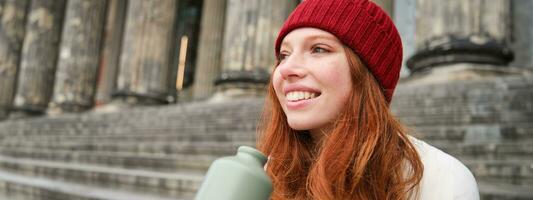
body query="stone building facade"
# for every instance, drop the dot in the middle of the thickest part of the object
(467, 88)
(190, 50)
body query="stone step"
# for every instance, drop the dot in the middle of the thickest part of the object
(117, 129)
(161, 136)
(461, 91)
(423, 106)
(201, 110)
(204, 127)
(476, 132)
(112, 127)
(428, 105)
(161, 148)
(52, 124)
(155, 162)
(440, 119)
(21, 187)
(517, 172)
(501, 151)
(146, 135)
(502, 191)
(174, 184)
(147, 120)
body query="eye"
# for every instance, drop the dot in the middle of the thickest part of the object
(317, 49)
(282, 56)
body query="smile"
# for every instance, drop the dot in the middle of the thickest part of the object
(300, 95)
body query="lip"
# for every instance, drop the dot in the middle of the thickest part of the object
(298, 87)
(296, 105)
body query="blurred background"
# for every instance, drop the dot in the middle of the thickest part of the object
(133, 99)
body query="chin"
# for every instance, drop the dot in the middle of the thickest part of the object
(300, 125)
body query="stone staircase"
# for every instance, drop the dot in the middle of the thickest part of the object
(143, 153)
(487, 124)
(162, 152)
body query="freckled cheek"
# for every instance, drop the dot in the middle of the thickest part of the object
(276, 82)
(336, 78)
(332, 76)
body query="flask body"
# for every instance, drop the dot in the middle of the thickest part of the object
(237, 177)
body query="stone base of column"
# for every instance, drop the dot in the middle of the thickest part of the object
(114, 106)
(239, 84)
(55, 109)
(186, 95)
(25, 111)
(449, 49)
(23, 114)
(236, 91)
(125, 100)
(134, 98)
(462, 72)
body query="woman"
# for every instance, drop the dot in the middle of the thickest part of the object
(327, 126)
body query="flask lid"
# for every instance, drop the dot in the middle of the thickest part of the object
(254, 153)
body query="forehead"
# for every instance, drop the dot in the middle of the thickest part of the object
(301, 35)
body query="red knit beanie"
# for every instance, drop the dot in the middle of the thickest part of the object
(359, 24)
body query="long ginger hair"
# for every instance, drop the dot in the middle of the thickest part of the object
(366, 155)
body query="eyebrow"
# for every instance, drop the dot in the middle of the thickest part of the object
(311, 38)
(315, 37)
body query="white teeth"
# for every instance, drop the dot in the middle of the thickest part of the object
(300, 95)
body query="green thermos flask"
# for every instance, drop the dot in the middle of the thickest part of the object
(239, 177)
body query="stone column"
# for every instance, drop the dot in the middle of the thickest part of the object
(145, 59)
(248, 54)
(522, 42)
(404, 19)
(12, 28)
(79, 56)
(39, 56)
(210, 48)
(458, 31)
(113, 31)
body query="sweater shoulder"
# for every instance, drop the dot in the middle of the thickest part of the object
(445, 177)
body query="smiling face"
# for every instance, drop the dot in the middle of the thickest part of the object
(312, 81)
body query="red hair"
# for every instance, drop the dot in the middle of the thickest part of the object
(367, 154)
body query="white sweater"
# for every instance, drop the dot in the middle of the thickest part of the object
(444, 178)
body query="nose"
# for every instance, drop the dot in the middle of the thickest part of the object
(292, 67)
